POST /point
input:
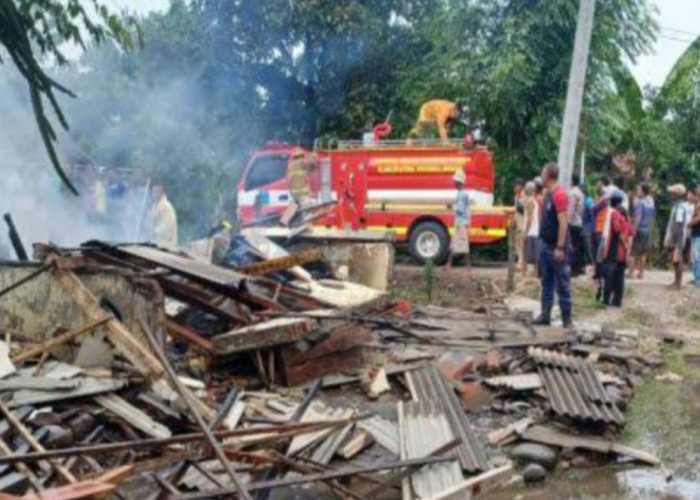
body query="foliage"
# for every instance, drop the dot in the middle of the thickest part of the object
(47, 24)
(429, 278)
(215, 79)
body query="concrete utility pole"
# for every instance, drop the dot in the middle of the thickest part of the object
(574, 95)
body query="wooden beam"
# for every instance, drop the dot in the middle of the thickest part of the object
(181, 332)
(281, 263)
(266, 334)
(34, 443)
(239, 487)
(60, 339)
(125, 342)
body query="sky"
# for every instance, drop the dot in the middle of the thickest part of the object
(680, 24)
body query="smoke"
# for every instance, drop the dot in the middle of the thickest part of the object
(42, 208)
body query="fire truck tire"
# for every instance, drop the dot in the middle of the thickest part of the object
(429, 241)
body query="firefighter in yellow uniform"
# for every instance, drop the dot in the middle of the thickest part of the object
(298, 176)
(438, 112)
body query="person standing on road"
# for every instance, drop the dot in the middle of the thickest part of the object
(601, 212)
(588, 230)
(575, 218)
(694, 227)
(531, 229)
(519, 195)
(674, 240)
(643, 211)
(554, 268)
(616, 251)
(460, 239)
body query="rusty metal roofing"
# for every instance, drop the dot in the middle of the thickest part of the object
(573, 388)
(428, 384)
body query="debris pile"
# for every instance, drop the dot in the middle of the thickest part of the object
(130, 370)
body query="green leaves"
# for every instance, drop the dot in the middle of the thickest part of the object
(48, 24)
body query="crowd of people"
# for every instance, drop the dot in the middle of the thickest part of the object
(560, 233)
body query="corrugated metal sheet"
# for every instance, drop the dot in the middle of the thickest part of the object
(384, 432)
(429, 384)
(573, 388)
(425, 428)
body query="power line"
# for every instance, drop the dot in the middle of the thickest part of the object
(677, 39)
(685, 32)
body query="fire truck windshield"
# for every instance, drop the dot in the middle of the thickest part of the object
(266, 170)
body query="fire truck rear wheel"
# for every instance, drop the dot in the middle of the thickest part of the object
(429, 241)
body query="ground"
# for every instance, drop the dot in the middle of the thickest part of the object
(662, 417)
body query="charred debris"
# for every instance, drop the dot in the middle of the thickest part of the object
(242, 368)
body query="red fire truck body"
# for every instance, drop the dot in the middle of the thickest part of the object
(386, 186)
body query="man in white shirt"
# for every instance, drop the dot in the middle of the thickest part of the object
(164, 219)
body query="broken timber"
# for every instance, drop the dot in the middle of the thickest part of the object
(123, 340)
(61, 339)
(281, 263)
(266, 334)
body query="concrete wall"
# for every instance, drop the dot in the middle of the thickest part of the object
(37, 308)
(369, 264)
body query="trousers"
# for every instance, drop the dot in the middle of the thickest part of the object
(578, 262)
(696, 259)
(614, 288)
(555, 276)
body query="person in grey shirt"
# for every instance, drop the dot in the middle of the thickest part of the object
(575, 218)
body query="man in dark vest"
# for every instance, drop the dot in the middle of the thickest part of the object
(554, 267)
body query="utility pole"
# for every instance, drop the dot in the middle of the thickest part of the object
(574, 94)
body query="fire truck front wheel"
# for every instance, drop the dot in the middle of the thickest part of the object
(429, 241)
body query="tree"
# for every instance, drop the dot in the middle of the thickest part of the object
(511, 59)
(28, 26)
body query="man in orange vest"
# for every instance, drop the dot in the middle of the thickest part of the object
(437, 112)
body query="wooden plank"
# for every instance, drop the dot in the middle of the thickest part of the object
(639, 455)
(281, 263)
(296, 374)
(56, 341)
(133, 416)
(266, 334)
(117, 333)
(33, 442)
(240, 488)
(475, 485)
(360, 440)
(38, 383)
(516, 428)
(554, 437)
(86, 387)
(181, 332)
(84, 489)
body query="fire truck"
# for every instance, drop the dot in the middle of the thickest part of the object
(383, 185)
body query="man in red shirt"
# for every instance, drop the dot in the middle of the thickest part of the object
(555, 272)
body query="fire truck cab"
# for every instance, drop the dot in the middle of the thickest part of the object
(383, 185)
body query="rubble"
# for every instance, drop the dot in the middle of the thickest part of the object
(149, 369)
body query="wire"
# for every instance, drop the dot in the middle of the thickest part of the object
(684, 32)
(676, 39)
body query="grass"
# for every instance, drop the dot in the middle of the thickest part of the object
(634, 317)
(585, 300)
(690, 314)
(662, 417)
